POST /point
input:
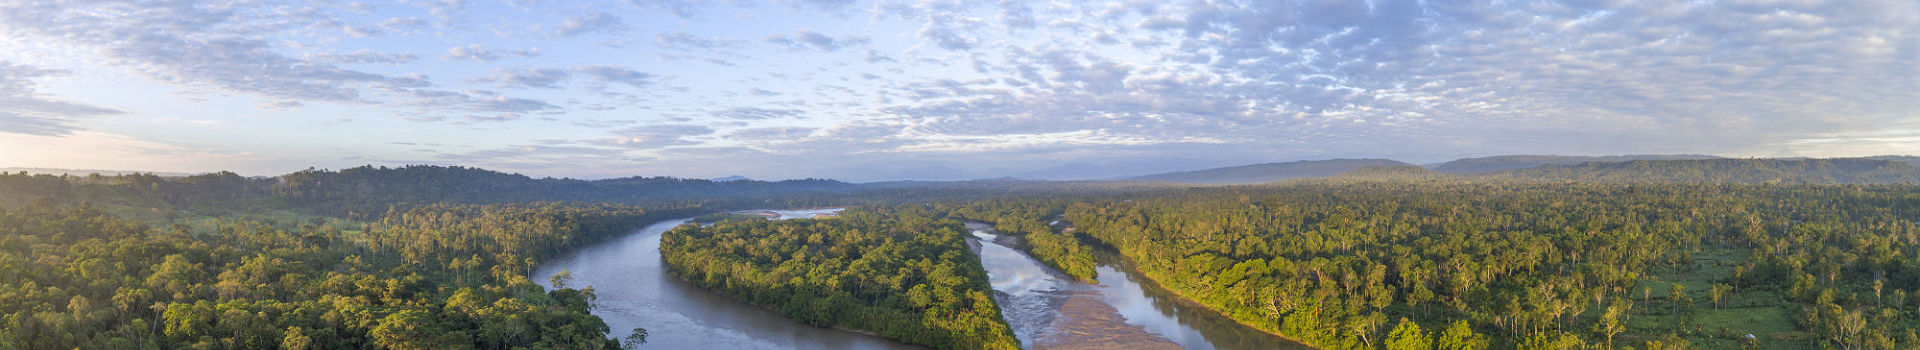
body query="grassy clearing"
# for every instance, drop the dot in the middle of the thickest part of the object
(1695, 317)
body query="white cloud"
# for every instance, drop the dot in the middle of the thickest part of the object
(477, 52)
(23, 110)
(1265, 80)
(655, 136)
(808, 39)
(592, 23)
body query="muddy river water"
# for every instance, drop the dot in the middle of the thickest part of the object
(1047, 310)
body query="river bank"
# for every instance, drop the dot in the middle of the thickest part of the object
(635, 290)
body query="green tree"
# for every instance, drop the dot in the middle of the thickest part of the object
(295, 339)
(406, 329)
(1716, 292)
(635, 338)
(1460, 336)
(1408, 336)
(1670, 342)
(1613, 321)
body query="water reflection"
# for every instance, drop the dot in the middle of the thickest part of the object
(1028, 293)
(635, 291)
(1189, 325)
(1031, 297)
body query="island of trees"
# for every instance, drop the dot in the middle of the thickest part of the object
(896, 272)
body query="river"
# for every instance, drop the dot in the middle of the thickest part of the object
(1046, 309)
(635, 290)
(1049, 310)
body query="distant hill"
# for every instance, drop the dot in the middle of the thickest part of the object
(85, 172)
(1903, 159)
(1270, 172)
(729, 178)
(366, 191)
(1074, 171)
(1725, 170)
(1514, 162)
(1394, 173)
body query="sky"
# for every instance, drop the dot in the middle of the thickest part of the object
(940, 89)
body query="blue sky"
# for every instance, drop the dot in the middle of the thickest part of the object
(877, 90)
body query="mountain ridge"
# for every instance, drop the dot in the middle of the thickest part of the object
(1494, 164)
(1270, 172)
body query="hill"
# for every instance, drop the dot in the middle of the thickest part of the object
(1394, 173)
(1751, 171)
(1077, 171)
(1903, 159)
(1270, 172)
(1494, 164)
(364, 191)
(84, 172)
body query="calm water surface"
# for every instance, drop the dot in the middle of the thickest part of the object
(1031, 294)
(635, 290)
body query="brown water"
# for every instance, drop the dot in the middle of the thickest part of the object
(635, 290)
(1048, 309)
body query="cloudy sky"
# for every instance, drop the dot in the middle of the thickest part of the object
(931, 89)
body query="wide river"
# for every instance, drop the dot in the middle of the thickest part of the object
(1045, 308)
(1049, 309)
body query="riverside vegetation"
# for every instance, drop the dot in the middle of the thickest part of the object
(897, 272)
(1465, 265)
(1396, 258)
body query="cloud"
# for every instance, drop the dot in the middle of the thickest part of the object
(755, 113)
(364, 57)
(808, 39)
(555, 78)
(446, 8)
(180, 42)
(433, 105)
(238, 48)
(616, 75)
(948, 38)
(532, 152)
(681, 8)
(24, 111)
(782, 133)
(685, 41)
(477, 52)
(656, 136)
(401, 24)
(527, 78)
(895, 80)
(877, 57)
(592, 23)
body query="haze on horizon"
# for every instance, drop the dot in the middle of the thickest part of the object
(880, 90)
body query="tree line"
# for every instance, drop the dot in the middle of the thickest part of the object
(1366, 264)
(72, 276)
(896, 271)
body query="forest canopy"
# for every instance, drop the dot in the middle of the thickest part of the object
(895, 271)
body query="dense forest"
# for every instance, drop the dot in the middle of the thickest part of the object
(363, 193)
(1527, 265)
(895, 271)
(427, 278)
(1718, 253)
(1873, 170)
